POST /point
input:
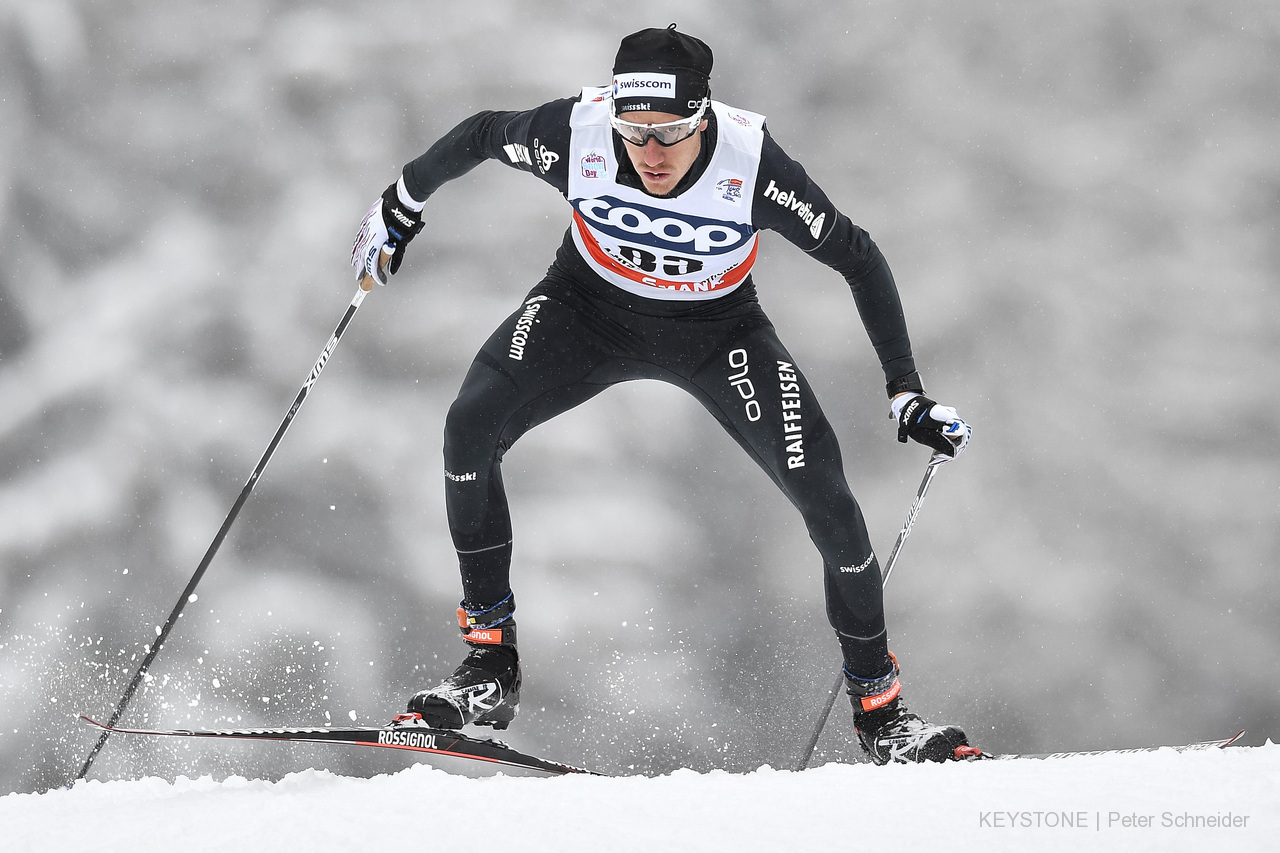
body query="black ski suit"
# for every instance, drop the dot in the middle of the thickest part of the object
(575, 334)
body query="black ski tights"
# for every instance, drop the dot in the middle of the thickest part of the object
(567, 343)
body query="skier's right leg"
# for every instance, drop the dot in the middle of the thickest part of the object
(485, 688)
(534, 366)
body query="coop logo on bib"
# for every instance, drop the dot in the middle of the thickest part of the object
(653, 226)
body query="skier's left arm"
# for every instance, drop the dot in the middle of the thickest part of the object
(788, 201)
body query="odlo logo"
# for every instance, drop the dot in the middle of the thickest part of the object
(546, 157)
(739, 380)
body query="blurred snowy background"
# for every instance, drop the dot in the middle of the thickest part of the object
(1079, 200)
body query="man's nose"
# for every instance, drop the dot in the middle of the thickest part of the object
(653, 154)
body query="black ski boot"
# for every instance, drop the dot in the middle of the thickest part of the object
(889, 732)
(485, 688)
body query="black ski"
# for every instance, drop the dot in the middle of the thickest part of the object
(969, 753)
(412, 737)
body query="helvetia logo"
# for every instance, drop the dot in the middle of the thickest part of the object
(802, 209)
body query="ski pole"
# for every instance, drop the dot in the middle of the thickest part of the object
(934, 464)
(929, 471)
(162, 633)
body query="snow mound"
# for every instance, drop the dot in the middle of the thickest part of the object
(1223, 800)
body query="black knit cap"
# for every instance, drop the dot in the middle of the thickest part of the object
(661, 70)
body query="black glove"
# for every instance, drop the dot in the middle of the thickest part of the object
(937, 427)
(403, 224)
(389, 222)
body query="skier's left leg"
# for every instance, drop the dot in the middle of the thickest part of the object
(756, 391)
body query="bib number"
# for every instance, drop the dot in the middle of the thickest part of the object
(647, 261)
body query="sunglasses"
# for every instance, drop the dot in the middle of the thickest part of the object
(665, 134)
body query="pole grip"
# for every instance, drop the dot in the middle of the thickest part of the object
(367, 281)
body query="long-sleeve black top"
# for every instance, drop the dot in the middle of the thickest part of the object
(786, 201)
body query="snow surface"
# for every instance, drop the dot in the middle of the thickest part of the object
(1068, 804)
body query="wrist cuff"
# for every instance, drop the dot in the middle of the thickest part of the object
(910, 382)
(402, 193)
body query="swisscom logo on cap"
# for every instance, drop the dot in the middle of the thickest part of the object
(640, 83)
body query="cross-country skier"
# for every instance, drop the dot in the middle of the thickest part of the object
(669, 191)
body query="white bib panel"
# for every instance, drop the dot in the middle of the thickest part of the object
(699, 245)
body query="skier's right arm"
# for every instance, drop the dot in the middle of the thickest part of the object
(531, 140)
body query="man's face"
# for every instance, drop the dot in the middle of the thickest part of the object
(661, 168)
